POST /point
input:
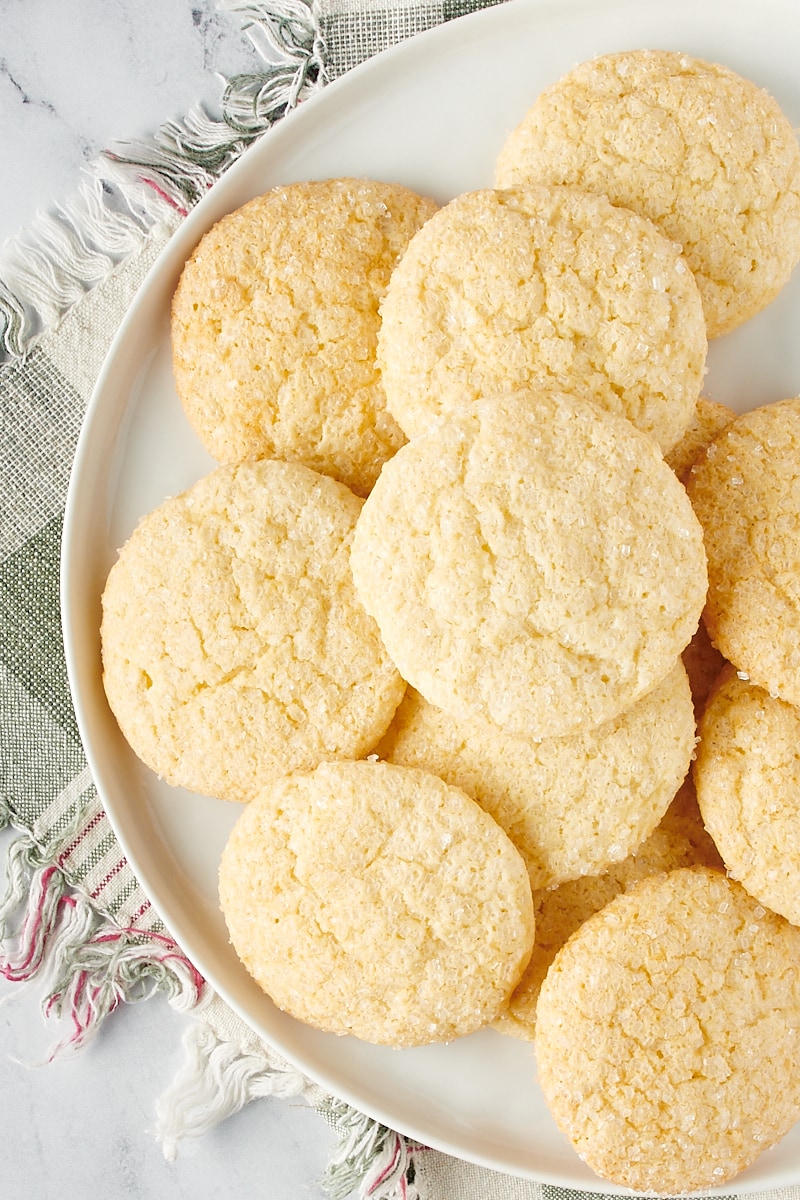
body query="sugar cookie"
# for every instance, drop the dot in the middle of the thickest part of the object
(533, 560)
(375, 900)
(745, 490)
(705, 154)
(667, 1033)
(747, 775)
(274, 324)
(572, 805)
(234, 644)
(543, 287)
(709, 419)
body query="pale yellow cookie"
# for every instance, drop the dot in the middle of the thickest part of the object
(369, 899)
(745, 490)
(747, 775)
(274, 325)
(234, 645)
(709, 419)
(705, 154)
(667, 1033)
(543, 287)
(571, 805)
(532, 560)
(679, 841)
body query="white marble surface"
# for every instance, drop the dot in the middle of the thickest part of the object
(75, 74)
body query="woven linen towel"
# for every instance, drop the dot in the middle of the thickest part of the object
(74, 915)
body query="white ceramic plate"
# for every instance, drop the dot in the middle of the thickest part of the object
(430, 113)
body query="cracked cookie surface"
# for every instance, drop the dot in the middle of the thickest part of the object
(234, 644)
(275, 320)
(705, 154)
(374, 900)
(532, 559)
(573, 805)
(543, 287)
(667, 1033)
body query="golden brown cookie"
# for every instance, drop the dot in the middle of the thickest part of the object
(573, 805)
(667, 1033)
(705, 154)
(679, 841)
(234, 645)
(532, 560)
(745, 490)
(274, 325)
(375, 900)
(543, 287)
(747, 775)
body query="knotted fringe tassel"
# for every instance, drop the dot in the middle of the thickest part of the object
(217, 1080)
(227, 1066)
(134, 187)
(85, 964)
(376, 1161)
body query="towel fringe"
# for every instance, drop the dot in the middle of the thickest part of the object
(85, 964)
(220, 1076)
(217, 1080)
(373, 1160)
(134, 187)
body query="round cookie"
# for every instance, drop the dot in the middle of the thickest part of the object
(680, 840)
(747, 775)
(234, 645)
(705, 154)
(666, 1033)
(533, 560)
(275, 320)
(709, 419)
(543, 287)
(746, 492)
(373, 900)
(572, 805)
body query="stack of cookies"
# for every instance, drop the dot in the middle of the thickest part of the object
(436, 617)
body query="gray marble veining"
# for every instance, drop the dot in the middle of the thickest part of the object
(77, 74)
